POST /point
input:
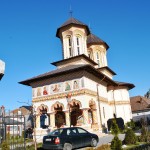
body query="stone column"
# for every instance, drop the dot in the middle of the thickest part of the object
(52, 118)
(85, 116)
(67, 118)
(37, 121)
(94, 113)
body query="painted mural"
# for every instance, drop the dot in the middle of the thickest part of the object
(58, 87)
(39, 91)
(45, 90)
(68, 86)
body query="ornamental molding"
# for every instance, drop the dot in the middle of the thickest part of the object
(73, 93)
(118, 102)
(77, 93)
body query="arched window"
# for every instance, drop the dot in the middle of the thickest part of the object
(89, 54)
(69, 45)
(98, 59)
(78, 43)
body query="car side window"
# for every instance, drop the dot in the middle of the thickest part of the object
(57, 132)
(71, 132)
(81, 131)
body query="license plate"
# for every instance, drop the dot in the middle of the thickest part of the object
(48, 140)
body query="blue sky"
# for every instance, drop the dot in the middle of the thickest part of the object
(28, 43)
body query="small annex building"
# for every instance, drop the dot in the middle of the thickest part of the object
(81, 91)
(140, 106)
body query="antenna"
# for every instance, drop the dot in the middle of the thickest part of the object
(70, 11)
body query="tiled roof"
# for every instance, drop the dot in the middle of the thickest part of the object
(73, 58)
(106, 67)
(72, 21)
(75, 22)
(129, 85)
(67, 70)
(53, 73)
(92, 39)
(139, 103)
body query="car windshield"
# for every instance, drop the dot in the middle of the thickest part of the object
(56, 132)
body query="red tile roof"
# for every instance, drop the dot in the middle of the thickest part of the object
(139, 103)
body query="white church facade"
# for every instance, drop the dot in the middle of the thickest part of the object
(81, 91)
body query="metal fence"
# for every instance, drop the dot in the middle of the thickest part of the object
(12, 130)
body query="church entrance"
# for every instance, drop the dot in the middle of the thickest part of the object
(76, 114)
(59, 117)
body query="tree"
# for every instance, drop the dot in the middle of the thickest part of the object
(130, 137)
(5, 146)
(116, 143)
(114, 128)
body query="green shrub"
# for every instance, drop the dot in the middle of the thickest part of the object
(8, 136)
(116, 144)
(130, 137)
(114, 128)
(131, 124)
(23, 134)
(5, 146)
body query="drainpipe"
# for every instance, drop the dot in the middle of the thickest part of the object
(99, 104)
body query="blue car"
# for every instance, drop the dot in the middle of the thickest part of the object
(69, 138)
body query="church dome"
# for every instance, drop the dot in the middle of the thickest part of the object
(92, 39)
(72, 21)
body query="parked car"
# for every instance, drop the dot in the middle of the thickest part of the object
(69, 138)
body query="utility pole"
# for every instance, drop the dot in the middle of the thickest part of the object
(99, 107)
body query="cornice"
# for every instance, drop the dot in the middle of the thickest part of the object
(77, 93)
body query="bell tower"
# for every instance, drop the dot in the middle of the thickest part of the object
(73, 35)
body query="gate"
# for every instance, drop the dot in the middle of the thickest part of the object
(12, 130)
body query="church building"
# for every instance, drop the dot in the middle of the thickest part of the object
(81, 91)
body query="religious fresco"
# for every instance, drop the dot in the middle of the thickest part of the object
(58, 87)
(45, 90)
(55, 88)
(39, 91)
(76, 84)
(68, 86)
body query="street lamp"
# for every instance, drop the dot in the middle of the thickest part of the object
(68, 100)
(2, 69)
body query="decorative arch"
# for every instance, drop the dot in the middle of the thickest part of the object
(74, 102)
(92, 104)
(67, 33)
(57, 105)
(78, 32)
(41, 108)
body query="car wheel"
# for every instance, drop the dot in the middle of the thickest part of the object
(94, 142)
(67, 146)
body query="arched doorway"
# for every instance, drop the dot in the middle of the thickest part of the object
(59, 114)
(44, 117)
(76, 114)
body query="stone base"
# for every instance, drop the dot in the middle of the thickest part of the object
(95, 126)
